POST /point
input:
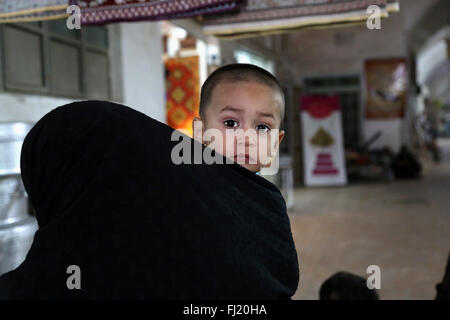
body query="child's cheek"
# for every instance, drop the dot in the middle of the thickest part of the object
(264, 147)
(229, 145)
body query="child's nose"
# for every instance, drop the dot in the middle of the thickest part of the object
(247, 138)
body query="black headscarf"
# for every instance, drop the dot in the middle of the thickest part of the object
(109, 200)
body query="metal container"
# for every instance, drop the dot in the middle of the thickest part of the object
(17, 225)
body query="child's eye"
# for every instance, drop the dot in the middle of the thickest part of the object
(230, 123)
(262, 128)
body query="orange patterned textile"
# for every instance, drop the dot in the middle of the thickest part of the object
(183, 92)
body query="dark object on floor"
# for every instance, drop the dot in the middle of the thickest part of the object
(118, 219)
(346, 286)
(443, 288)
(406, 165)
(369, 165)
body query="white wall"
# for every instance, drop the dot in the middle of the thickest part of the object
(142, 68)
(28, 108)
(430, 58)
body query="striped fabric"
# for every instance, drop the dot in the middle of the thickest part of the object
(262, 17)
(32, 10)
(107, 11)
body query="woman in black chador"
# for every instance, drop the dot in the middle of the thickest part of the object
(117, 219)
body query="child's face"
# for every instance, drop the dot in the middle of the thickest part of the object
(244, 105)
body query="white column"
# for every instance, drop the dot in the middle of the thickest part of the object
(142, 68)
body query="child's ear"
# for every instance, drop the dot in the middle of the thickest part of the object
(280, 138)
(197, 129)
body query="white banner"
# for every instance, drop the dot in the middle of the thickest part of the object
(323, 147)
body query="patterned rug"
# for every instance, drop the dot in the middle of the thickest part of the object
(183, 92)
(107, 11)
(97, 12)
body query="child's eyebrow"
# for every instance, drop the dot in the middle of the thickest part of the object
(231, 108)
(270, 115)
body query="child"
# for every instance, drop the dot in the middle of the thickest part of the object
(242, 96)
(346, 286)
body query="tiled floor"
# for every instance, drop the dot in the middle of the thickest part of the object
(403, 227)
